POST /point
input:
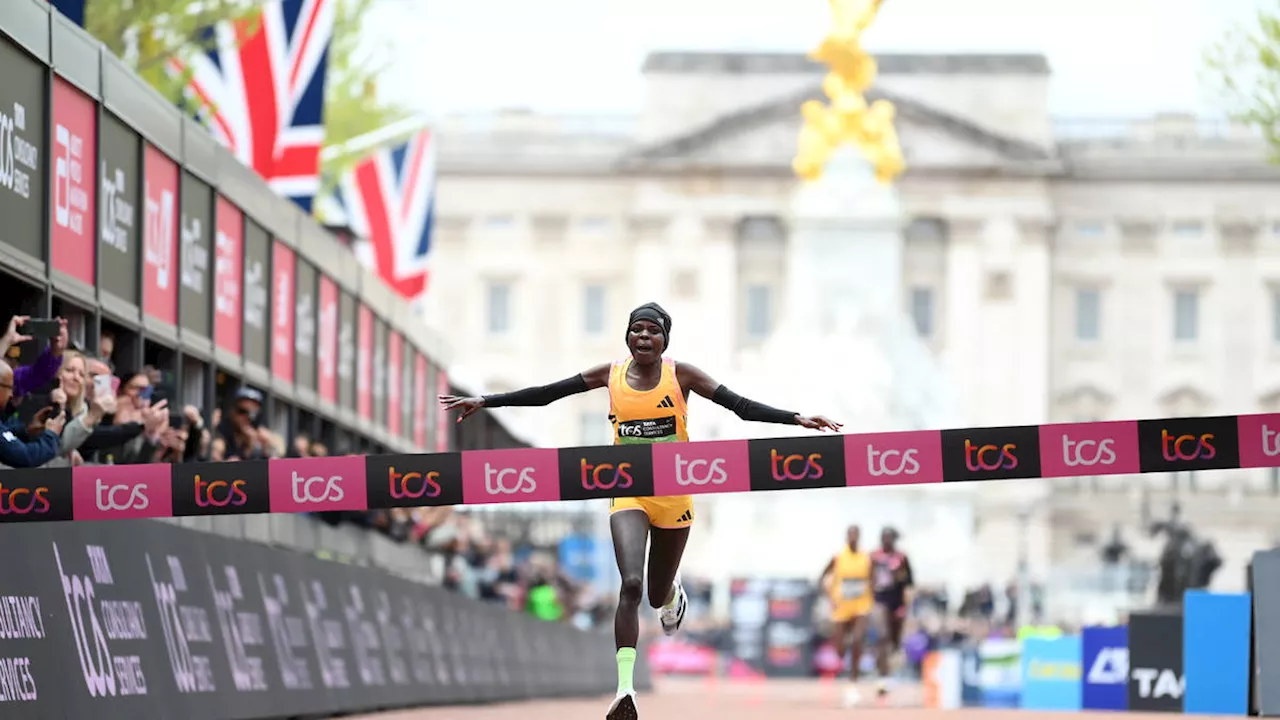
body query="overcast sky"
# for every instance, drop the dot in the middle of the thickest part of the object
(1110, 58)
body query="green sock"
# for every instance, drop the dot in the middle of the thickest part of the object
(626, 667)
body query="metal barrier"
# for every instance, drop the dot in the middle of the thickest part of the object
(143, 618)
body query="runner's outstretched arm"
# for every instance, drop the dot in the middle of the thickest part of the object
(699, 382)
(596, 377)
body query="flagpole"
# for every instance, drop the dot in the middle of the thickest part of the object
(376, 138)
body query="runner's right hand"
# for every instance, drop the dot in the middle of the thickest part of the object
(469, 405)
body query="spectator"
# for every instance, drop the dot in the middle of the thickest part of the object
(301, 446)
(44, 370)
(16, 451)
(84, 408)
(106, 348)
(240, 431)
(499, 580)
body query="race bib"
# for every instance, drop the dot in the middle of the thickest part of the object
(852, 589)
(885, 579)
(647, 429)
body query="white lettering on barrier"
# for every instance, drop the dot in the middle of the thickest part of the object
(104, 674)
(295, 673)
(700, 472)
(18, 156)
(1087, 453)
(109, 497)
(192, 673)
(20, 617)
(1270, 441)
(420, 646)
(1153, 683)
(195, 256)
(326, 637)
(365, 641)
(117, 212)
(905, 463)
(1111, 667)
(498, 481)
(305, 489)
(240, 630)
(392, 641)
(17, 684)
(158, 233)
(70, 198)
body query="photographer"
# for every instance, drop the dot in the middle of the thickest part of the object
(31, 378)
(16, 451)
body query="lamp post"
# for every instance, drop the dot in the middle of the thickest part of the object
(847, 118)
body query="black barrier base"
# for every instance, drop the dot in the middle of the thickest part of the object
(145, 619)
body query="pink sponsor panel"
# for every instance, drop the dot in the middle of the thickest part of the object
(1100, 448)
(504, 476)
(895, 458)
(318, 484)
(1259, 440)
(121, 492)
(704, 467)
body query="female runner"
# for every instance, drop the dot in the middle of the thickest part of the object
(647, 397)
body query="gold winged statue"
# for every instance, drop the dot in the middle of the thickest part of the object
(847, 117)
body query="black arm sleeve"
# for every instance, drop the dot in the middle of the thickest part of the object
(108, 437)
(749, 409)
(538, 396)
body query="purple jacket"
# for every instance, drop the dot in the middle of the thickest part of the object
(29, 378)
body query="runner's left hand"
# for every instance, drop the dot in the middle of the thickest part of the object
(818, 422)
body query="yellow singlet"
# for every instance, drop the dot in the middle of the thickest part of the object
(653, 416)
(850, 590)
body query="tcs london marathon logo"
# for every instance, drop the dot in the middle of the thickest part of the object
(316, 484)
(1208, 443)
(35, 495)
(1103, 448)
(994, 453)
(504, 476)
(587, 473)
(797, 463)
(122, 492)
(895, 458)
(239, 488)
(705, 467)
(414, 480)
(1259, 440)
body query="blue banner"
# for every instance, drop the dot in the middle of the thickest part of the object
(1105, 661)
(1051, 673)
(1215, 653)
(578, 557)
(73, 9)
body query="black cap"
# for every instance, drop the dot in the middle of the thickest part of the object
(654, 313)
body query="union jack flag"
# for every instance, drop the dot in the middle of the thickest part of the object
(389, 199)
(264, 90)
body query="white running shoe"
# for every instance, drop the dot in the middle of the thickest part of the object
(623, 707)
(672, 617)
(852, 698)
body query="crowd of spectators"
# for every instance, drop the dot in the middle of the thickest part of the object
(70, 407)
(486, 565)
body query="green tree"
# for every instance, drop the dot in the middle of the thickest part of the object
(352, 107)
(148, 34)
(1244, 68)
